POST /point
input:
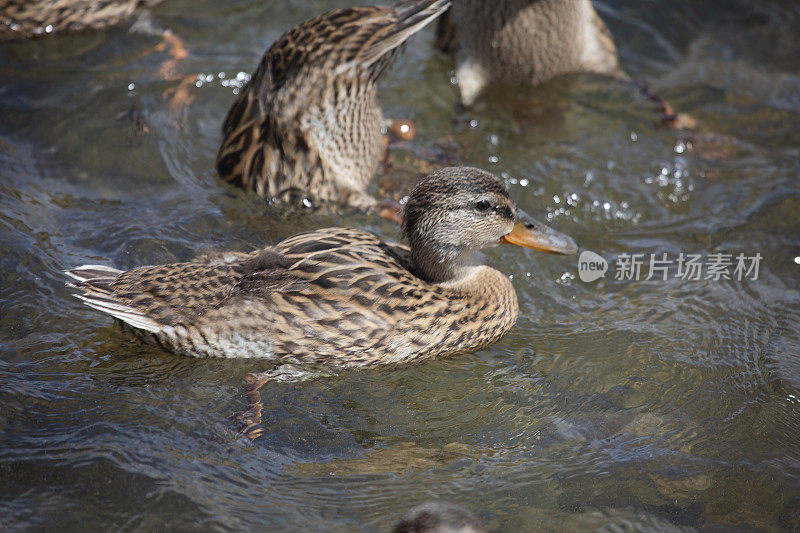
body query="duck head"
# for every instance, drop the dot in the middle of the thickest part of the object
(456, 211)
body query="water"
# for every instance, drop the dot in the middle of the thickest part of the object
(661, 405)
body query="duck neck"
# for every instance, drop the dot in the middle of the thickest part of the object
(445, 265)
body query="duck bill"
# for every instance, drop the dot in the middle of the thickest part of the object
(529, 233)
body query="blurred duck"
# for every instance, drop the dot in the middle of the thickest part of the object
(20, 19)
(524, 42)
(340, 296)
(527, 42)
(438, 517)
(309, 118)
(24, 19)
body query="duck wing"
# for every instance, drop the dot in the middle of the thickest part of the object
(155, 297)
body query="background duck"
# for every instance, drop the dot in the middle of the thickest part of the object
(524, 42)
(527, 42)
(20, 19)
(23, 19)
(309, 118)
(339, 295)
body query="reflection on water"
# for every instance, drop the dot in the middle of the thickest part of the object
(668, 405)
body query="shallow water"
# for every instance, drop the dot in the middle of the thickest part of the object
(646, 405)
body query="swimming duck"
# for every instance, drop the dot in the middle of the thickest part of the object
(524, 42)
(309, 119)
(527, 42)
(20, 19)
(337, 295)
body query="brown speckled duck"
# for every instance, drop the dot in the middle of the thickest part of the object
(309, 118)
(21, 19)
(524, 42)
(340, 296)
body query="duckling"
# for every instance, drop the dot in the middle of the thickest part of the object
(20, 19)
(524, 42)
(341, 296)
(309, 119)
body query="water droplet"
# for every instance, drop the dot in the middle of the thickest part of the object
(493, 159)
(524, 182)
(797, 260)
(556, 199)
(473, 123)
(48, 28)
(634, 136)
(131, 86)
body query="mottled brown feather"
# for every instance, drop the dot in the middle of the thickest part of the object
(333, 295)
(524, 42)
(21, 19)
(309, 118)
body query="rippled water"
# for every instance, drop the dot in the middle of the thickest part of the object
(662, 404)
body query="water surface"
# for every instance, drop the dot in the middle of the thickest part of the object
(650, 405)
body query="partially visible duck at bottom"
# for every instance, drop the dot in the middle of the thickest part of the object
(438, 517)
(340, 296)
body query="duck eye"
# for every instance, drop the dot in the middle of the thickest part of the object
(483, 205)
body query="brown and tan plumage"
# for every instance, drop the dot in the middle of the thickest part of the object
(309, 118)
(336, 295)
(524, 42)
(20, 19)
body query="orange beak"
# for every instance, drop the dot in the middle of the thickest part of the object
(529, 233)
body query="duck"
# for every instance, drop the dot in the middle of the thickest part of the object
(524, 42)
(29, 19)
(528, 42)
(340, 296)
(438, 516)
(21, 19)
(308, 121)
